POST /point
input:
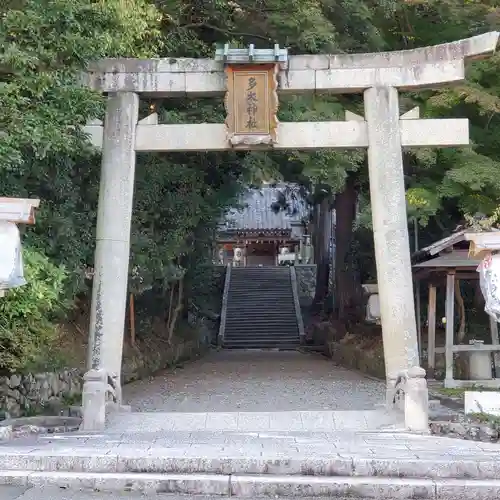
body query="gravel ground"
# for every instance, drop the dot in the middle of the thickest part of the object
(228, 381)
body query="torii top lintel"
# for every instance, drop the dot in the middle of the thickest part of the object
(342, 73)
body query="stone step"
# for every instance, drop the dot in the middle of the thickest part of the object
(245, 292)
(260, 299)
(238, 315)
(261, 334)
(269, 303)
(251, 343)
(258, 283)
(261, 337)
(268, 306)
(259, 280)
(259, 296)
(241, 294)
(260, 271)
(265, 328)
(271, 324)
(284, 346)
(260, 310)
(254, 486)
(266, 323)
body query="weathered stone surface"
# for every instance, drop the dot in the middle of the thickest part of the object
(306, 283)
(49, 392)
(318, 488)
(468, 429)
(23, 394)
(338, 73)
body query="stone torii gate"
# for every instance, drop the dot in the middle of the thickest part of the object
(379, 76)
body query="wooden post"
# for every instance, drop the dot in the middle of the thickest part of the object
(132, 320)
(450, 313)
(431, 332)
(495, 341)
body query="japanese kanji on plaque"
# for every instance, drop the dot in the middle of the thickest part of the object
(251, 104)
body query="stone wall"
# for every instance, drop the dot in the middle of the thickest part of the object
(33, 393)
(30, 394)
(306, 283)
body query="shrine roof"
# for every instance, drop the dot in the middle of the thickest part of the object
(455, 259)
(462, 250)
(256, 212)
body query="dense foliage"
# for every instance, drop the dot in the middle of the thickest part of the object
(28, 314)
(44, 45)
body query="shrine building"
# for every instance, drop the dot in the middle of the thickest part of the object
(256, 234)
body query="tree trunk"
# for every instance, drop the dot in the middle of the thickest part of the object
(176, 311)
(315, 235)
(347, 293)
(323, 236)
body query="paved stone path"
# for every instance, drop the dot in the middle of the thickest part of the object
(250, 424)
(312, 421)
(251, 464)
(15, 493)
(237, 381)
(365, 464)
(115, 452)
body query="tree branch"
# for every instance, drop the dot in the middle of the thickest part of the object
(223, 31)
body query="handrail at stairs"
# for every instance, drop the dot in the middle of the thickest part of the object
(225, 294)
(410, 395)
(296, 301)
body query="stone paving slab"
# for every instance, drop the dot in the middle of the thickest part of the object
(51, 493)
(248, 486)
(312, 421)
(12, 492)
(345, 453)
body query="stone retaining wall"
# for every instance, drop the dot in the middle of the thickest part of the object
(306, 283)
(365, 355)
(30, 394)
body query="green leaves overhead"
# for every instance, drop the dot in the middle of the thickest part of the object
(45, 44)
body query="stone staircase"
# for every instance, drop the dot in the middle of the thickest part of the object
(157, 455)
(260, 309)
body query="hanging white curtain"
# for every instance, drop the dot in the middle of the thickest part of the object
(489, 280)
(11, 259)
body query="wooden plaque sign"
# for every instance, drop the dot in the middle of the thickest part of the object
(252, 104)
